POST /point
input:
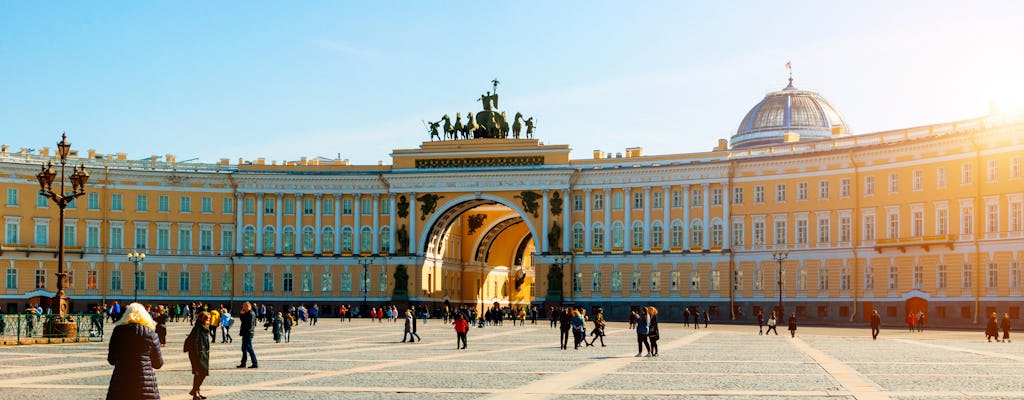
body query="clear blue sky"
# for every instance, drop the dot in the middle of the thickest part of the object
(283, 80)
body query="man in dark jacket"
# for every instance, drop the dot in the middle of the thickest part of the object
(247, 324)
(876, 322)
(564, 321)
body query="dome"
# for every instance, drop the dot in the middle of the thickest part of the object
(789, 115)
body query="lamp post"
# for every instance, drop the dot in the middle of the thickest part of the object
(779, 257)
(46, 175)
(365, 261)
(136, 258)
(559, 262)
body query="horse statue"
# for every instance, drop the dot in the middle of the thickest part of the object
(458, 128)
(517, 126)
(471, 128)
(503, 126)
(448, 129)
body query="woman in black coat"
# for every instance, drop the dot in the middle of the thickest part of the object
(135, 354)
(197, 345)
(653, 334)
(161, 324)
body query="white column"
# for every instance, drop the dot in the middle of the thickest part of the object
(376, 223)
(627, 229)
(566, 220)
(298, 223)
(393, 222)
(239, 231)
(259, 223)
(666, 229)
(707, 216)
(647, 219)
(337, 224)
(279, 232)
(357, 243)
(607, 220)
(544, 224)
(726, 223)
(412, 224)
(686, 217)
(587, 229)
(316, 233)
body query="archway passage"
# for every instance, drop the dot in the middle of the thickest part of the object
(917, 306)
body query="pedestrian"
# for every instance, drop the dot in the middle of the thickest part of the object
(564, 322)
(992, 329)
(686, 317)
(876, 323)
(653, 334)
(577, 329)
(696, 318)
(632, 319)
(792, 325)
(197, 345)
(706, 318)
(161, 325)
(135, 354)
(414, 329)
(771, 324)
(1006, 327)
(461, 329)
(287, 323)
(408, 333)
(910, 322)
(641, 334)
(225, 326)
(247, 324)
(920, 321)
(96, 319)
(598, 331)
(214, 322)
(314, 313)
(760, 323)
(522, 317)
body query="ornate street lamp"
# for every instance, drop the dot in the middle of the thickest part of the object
(779, 257)
(365, 261)
(62, 325)
(558, 267)
(137, 259)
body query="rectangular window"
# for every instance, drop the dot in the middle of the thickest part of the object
(307, 282)
(225, 282)
(206, 204)
(716, 280)
(141, 237)
(894, 183)
(638, 200)
(115, 202)
(694, 281)
(992, 171)
(1016, 217)
(716, 197)
(577, 283)
(1015, 168)
(655, 278)
(268, 205)
(69, 234)
(163, 238)
(737, 234)
(801, 231)
(823, 190)
(42, 201)
(737, 195)
(965, 279)
(12, 197)
(184, 281)
(92, 236)
(161, 281)
(992, 219)
(759, 233)
(869, 277)
(657, 199)
(993, 276)
(116, 237)
(845, 229)
(228, 206)
(824, 230)
(577, 202)
(268, 282)
(91, 280)
(346, 282)
(248, 282)
(940, 177)
(346, 206)
(249, 205)
(697, 197)
(329, 206)
(141, 203)
(965, 174)
(759, 194)
(801, 191)
(42, 233)
(966, 220)
(634, 282)
(940, 276)
(758, 279)
(186, 204)
(1015, 276)
(917, 179)
(616, 282)
(365, 205)
(598, 201)
(140, 280)
(184, 239)
(844, 188)
(737, 279)
(674, 284)
(163, 204)
(917, 223)
(326, 282)
(941, 221)
(227, 241)
(893, 278)
(780, 193)
(94, 201)
(12, 278)
(617, 201)
(115, 280)
(205, 239)
(780, 232)
(844, 279)
(677, 198)
(869, 227)
(894, 225)
(205, 282)
(11, 232)
(869, 185)
(286, 282)
(595, 282)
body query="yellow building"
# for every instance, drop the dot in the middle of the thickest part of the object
(925, 218)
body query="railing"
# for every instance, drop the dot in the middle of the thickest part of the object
(50, 328)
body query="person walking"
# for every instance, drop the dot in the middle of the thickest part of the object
(287, 323)
(409, 320)
(276, 325)
(135, 353)
(920, 321)
(247, 324)
(686, 317)
(760, 323)
(214, 322)
(792, 325)
(577, 329)
(225, 326)
(641, 334)
(992, 329)
(161, 325)
(197, 345)
(876, 323)
(598, 331)
(564, 322)
(1006, 327)
(461, 329)
(772, 322)
(633, 315)
(910, 322)
(653, 334)
(706, 318)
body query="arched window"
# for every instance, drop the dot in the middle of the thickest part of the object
(598, 236)
(618, 236)
(696, 235)
(366, 240)
(577, 236)
(346, 239)
(327, 240)
(268, 239)
(716, 234)
(307, 239)
(385, 239)
(677, 234)
(657, 235)
(638, 236)
(288, 241)
(249, 239)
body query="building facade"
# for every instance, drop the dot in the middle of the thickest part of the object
(927, 218)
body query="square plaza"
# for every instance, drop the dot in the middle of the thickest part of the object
(365, 359)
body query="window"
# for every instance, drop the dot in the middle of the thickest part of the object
(595, 282)
(716, 234)
(1015, 277)
(696, 235)
(674, 284)
(966, 277)
(940, 177)
(69, 234)
(577, 283)
(268, 205)
(780, 232)
(269, 240)
(116, 236)
(801, 279)
(42, 232)
(577, 202)
(657, 236)
(329, 206)
(598, 236)
(227, 241)
(894, 225)
(617, 201)
(801, 191)
(248, 282)
(697, 197)
(42, 201)
(205, 282)
(941, 221)
(184, 238)
(365, 205)
(115, 202)
(869, 185)
(965, 174)
(92, 235)
(385, 239)
(307, 205)
(140, 280)
(93, 201)
(346, 282)
(677, 198)
(655, 278)
(268, 282)
(845, 228)
(141, 203)
(759, 232)
(616, 281)
(894, 183)
(737, 195)
(250, 205)
(598, 201)
(737, 234)
(185, 203)
(869, 227)
(12, 278)
(346, 239)
(382, 284)
(228, 206)
(115, 280)
(992, 218)
(249, 239)
(893, 277)
(844, 188)
(780, 193)
(694, 281)
(163, 204)
(308, 239)
(715, 280)
(346, 206)
(637, 235)
(992, 171)
(966, 220)
(657, 199)
(577, 236)
(161, 281)
(635, 282)
(11, 231)
(992, 276)
(844, 279)
(916, 180)
(184, 282)
(207, 205)
(716, 197)
(758, 279)
(677, 234)
(824, 230)
(326, 282)
(617, 235)
(288, 239)
(823, 190)
(12, 197)
(206, 239)
(940, 276)
(1015, 168)
(758, 194)
(286, 282)
(801, 231)
(869, 277)
(365, 240)
(327, 239)
(289, 206)
(91, 280)
(638, 200)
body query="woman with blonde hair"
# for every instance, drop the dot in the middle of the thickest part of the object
(652, 330)
(135, 354)
(197, 345)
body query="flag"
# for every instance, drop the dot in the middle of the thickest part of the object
(788, 66)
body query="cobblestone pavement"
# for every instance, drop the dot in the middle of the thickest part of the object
(366, 360)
